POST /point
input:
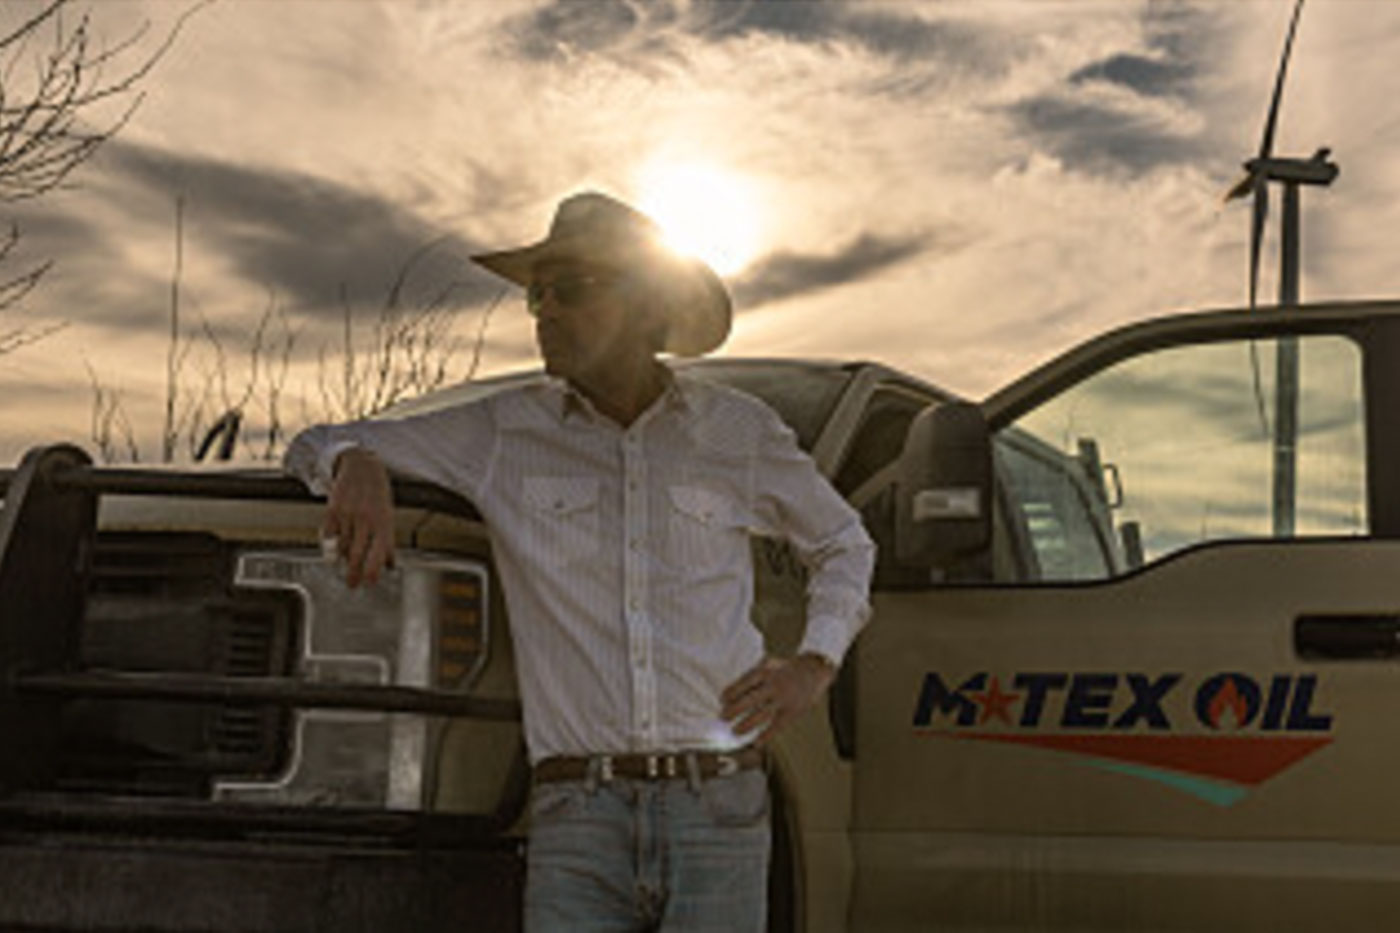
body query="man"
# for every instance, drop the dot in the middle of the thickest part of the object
(621, 497)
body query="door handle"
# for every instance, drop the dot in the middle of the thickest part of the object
(1347, 636)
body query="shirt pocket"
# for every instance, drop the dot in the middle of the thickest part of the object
(706, 529)
(561, 516)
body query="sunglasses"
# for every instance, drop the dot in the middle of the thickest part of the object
(569, 291)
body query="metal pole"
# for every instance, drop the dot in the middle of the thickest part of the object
(1285, 491)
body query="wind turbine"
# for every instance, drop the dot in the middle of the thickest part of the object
(1293, 173)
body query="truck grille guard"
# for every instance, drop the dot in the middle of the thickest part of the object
(170, 601)
(48, 540)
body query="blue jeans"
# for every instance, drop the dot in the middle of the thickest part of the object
(631, 855)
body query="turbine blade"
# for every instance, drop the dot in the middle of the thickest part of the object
(1256, 236)
(1242, 187)
(1266, 145)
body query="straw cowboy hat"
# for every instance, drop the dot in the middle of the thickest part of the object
(600, 230)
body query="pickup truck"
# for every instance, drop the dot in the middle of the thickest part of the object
(1136, 627)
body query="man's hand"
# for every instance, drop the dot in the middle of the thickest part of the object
(360, 516)
(775, 693)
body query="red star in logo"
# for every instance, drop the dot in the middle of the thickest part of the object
(995, 703)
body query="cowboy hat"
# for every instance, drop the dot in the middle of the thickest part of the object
(597, 229)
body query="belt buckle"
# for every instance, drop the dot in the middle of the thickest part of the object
(725, 765)
(605, 768)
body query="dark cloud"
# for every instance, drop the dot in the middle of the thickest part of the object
(89, 277)
(307, 240)
(1090, 137)
(49, 239)
(1129, 136)
(1182, 42)
(568, 27)
(619, 27)
(1187, 33)
(783, 275)
(1147, 76)
(30, 222)
(887, 33)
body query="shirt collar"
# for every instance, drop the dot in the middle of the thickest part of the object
(675, 395)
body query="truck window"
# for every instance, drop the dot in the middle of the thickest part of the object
(880, 438)
(1178, 447)
(1061, 516)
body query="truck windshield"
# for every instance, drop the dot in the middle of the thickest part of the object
(803, 394)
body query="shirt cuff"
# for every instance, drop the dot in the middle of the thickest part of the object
(325, 466)
(827, 636)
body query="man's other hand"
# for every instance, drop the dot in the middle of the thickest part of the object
(360, 516)
(775, 693)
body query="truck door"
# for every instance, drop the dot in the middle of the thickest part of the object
(1173, 705)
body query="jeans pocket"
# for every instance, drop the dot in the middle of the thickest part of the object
(555, 801)
(737, 800)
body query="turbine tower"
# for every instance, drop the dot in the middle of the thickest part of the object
(1292, 173)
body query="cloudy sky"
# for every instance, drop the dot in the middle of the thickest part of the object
(961, 189)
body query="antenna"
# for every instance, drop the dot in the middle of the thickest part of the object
(1292, 173)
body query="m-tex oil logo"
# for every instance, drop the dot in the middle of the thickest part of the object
(1243, 729)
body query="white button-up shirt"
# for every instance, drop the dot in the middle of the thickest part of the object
(624, 553)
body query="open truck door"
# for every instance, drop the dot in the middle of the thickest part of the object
(1117, 690)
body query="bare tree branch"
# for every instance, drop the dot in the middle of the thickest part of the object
(110, 429)
(407, 353)
(43, 137)
(52, 116)
(479, 345)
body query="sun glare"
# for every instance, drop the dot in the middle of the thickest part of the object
(705, 211)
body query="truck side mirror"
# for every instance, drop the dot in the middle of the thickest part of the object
(944, 492)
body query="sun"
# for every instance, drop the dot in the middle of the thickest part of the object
(704, 210)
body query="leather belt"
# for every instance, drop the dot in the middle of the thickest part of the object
(648, 767)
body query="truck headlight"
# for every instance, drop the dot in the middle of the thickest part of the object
(423, 625)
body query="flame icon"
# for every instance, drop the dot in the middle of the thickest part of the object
(1228, 701)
